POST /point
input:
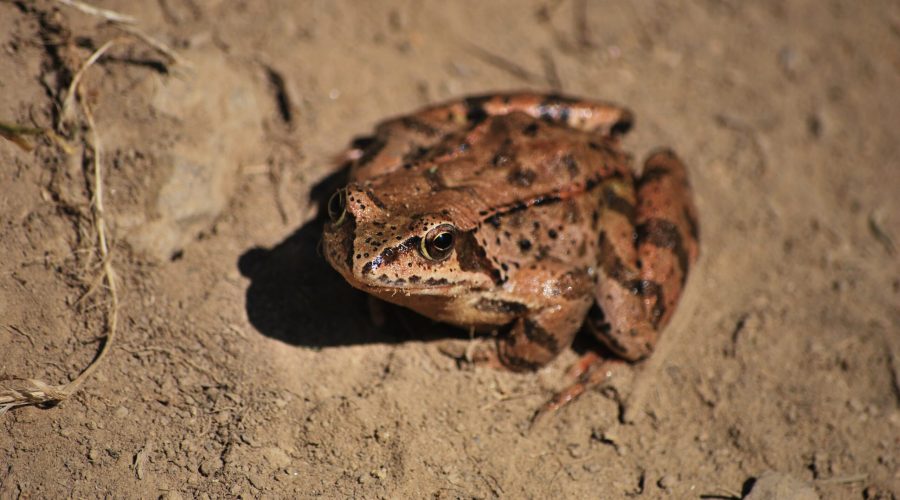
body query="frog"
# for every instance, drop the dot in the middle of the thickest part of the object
(519, 214)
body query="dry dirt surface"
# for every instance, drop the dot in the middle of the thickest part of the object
(244, 367)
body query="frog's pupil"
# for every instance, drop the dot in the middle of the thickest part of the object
(443, 241)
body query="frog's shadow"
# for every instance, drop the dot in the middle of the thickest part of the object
(296, 297)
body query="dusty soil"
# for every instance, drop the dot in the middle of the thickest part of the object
(244, 367)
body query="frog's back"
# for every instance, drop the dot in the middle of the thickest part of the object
(502, 164)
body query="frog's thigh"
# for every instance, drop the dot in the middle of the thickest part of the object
(667, 234)
(619, 319)
(536, 339)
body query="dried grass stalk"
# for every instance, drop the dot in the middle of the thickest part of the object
(109, 15)
(36, 392)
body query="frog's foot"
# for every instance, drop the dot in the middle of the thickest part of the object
(590, 371)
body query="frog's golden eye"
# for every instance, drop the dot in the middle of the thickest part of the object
(438, 243)
(337, 207)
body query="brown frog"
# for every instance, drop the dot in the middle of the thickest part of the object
(518, 213)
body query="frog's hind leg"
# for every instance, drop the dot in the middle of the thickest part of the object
(649, 242)
(667, 234)
(643, 269)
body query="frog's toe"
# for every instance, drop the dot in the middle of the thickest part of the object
(590, 371)
(474, 352)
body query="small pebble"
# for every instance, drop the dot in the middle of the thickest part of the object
(382, 435)
(789, 60)
(775, 485)
(576, 450)
(210, 466)
(666, 482)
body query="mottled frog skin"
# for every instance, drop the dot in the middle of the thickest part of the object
(518, 213)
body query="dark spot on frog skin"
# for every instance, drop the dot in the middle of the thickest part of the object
(501, 306)
(523, 177)
(362, 143)
(618, 204)
(494, 220)
(664, 234)
(653, 174)
(571, 165)
(472, 257)
(554, 109)
(371, 146)
(375, 199)
(614, 268)
(524, 245)
(475, 112)
(552, 234)
(540, 336)
(531, 129)
(434, 180)
(414, 155)
(437, 281)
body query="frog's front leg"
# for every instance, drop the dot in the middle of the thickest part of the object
(534, 340)
(559, 298)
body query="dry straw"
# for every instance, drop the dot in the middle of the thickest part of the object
(34, 391)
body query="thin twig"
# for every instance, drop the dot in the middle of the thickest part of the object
(16, 133)
(76, 80)
(36, 391)
(504, 64)
(109, 15)
(100, 225)
(855, 478)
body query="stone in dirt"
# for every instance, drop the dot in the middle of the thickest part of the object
(778, 486)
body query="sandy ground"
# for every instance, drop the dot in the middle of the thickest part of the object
(245, 367)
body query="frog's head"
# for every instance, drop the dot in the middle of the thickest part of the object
(395, 255)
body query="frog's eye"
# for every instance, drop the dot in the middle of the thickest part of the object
(438, 243)
(337, 207)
